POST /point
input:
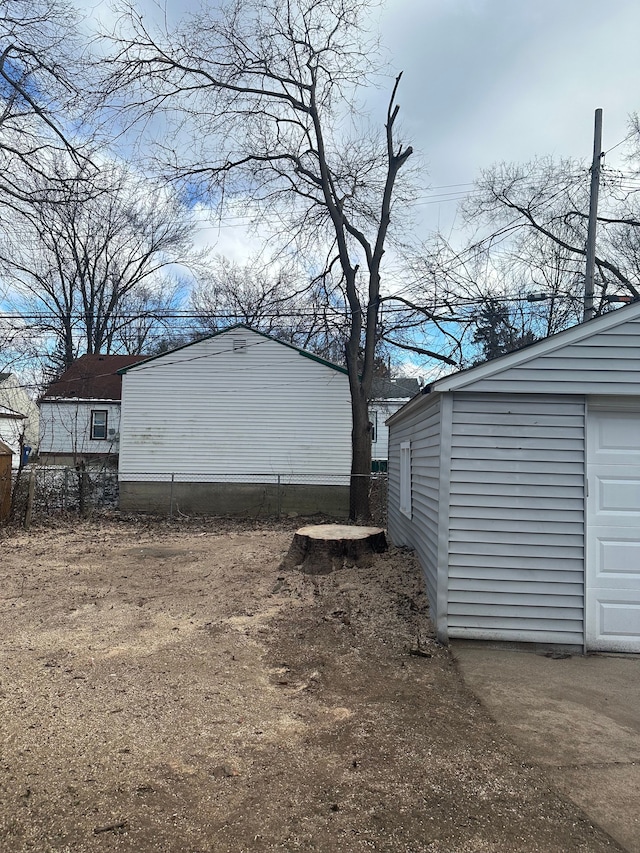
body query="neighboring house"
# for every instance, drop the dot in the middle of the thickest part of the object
(237, 422)
(80, 412)
(517, 482)
(19, 416)
(387, 396)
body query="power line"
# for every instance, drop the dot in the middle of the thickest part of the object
(334, 313)
(622, 141)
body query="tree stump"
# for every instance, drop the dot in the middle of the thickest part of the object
(320, 548)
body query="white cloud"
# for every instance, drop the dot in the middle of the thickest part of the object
(484, 81)
(502, 80)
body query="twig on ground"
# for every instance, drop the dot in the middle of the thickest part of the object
(119, 826)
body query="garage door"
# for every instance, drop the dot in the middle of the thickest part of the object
(612, 618)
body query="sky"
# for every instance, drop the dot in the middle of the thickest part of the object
(484, 82)
(487, 81)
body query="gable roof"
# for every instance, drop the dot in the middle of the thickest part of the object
(401, 388)
(548, 350)
(92, 377)
(241, 327)
(8, 412)
(546, 346)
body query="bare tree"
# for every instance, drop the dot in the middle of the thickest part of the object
(147, 314)
(522, 259)
(274, 299)
(537, 214)
(265, 92)
(86, 268)
(40, 119)
(535, 281)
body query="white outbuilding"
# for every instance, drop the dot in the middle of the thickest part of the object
(238, 422)
(517, 482)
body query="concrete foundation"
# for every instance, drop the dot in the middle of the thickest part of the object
(249, 499)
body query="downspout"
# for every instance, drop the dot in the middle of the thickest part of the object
(442, 576)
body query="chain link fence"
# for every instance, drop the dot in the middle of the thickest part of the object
(44, 491)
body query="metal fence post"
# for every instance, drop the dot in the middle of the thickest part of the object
(279, 499)
(173, 477)
(30, 499)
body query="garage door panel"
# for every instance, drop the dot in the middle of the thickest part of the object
(616, 434)
(619, 619)
(618, 556)
(617, 494)
(612, 613)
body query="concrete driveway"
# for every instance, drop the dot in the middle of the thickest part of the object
(578, 717)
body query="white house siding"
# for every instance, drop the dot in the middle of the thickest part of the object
(65, 428)
(15, 399)
(516, 518)
(420, 532)
(11, 430)
(210, 412)
(383, 409)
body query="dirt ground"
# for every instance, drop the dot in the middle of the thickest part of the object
(171, 688)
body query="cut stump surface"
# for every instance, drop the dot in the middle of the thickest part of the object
(318, 549)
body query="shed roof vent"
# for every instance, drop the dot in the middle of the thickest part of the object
(239, 345)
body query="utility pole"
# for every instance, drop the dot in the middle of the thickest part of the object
(593, 218)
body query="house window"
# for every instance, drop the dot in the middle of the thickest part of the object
(98, 424)
(373, 417)
(405, 478)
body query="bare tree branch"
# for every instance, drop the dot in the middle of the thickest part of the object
(261, 89)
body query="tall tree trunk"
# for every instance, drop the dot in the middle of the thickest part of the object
(359, 509)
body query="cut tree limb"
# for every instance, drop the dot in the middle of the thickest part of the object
(320, 548)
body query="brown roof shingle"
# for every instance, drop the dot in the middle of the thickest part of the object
(92, 377)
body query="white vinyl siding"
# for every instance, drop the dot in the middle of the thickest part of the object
(66, 427)
(11, 429)
(608, 361)
(405, 478)
(379, 411)
(516, 518)
(215, 411)
(15, 400)
(421, 531)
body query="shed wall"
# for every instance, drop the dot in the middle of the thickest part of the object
(420, 532)
(516, 520)
(11, 431)
(14, 396)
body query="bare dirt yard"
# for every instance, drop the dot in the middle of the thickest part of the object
(171, 688)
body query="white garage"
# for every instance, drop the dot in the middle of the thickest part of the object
(518, 484)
